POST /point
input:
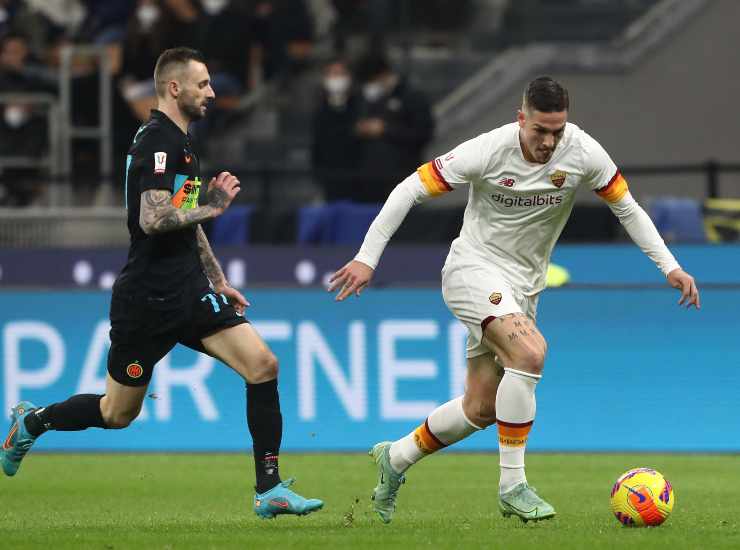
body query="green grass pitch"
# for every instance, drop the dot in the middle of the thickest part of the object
(449, 501)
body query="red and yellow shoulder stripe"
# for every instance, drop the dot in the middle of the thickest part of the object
(432, 178)
(615, 189)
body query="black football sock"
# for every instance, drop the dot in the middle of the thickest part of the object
(79, 412)
(266, 426)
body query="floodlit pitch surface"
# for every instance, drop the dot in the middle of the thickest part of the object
(449, 501)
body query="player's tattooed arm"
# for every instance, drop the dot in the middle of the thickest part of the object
(158, 215)
(210, 264)
(218, 198)
(216, 275)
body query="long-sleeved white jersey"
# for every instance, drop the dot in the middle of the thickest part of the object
(517, 209)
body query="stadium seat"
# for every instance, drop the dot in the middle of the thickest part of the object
(341, 222)
(314, 224)
(351, 221)
(678, 219)
(232, 227)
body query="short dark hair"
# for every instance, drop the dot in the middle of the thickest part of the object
(174, 58)
(13, 35)
(545, 95)
(372, 65)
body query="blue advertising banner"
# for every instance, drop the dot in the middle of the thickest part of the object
(402, 265)
(626, 370)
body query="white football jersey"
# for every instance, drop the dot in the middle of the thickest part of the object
(517, 209)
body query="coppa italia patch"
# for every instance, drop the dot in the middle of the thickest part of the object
(160, 162)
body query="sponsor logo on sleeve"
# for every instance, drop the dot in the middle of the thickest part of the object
(160, 162)
(495, 298)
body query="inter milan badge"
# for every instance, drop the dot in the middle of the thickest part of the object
(495, 298)
(558, 178)
(134, 370)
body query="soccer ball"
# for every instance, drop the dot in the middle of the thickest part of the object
(642, 496)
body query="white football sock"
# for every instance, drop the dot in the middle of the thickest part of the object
(515, 411)
(447, 424)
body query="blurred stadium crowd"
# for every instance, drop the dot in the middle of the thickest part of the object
(247, 44)
(318, 101)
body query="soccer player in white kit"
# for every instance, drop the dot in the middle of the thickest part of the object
(522, 180)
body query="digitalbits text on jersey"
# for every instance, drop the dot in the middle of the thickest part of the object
(532, 201)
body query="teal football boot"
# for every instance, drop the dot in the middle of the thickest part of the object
(281, 500)
(19, 441)
(523, 501)
(389, 481)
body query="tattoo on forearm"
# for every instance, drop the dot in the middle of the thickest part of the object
(210, 264)
(158, 215)
(217, 197)
(156, 198)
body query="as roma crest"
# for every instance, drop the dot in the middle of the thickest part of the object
(558, 178)
(495, 298)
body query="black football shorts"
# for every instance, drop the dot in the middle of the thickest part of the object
(144, 328)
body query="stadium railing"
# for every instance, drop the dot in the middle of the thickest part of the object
(47, 159)
(275, 201)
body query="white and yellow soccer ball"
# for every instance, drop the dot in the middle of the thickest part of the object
(642, 497)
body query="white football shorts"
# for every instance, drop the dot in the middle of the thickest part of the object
(476, 294)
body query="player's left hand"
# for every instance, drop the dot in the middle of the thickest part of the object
(681, 280)
(235, 298)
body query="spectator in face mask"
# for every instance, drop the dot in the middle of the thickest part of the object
(225, 38)
(395, 123)
(334, 150)
(150, 31)
(23, 126)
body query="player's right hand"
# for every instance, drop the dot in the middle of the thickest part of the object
(221, 191)
(352, 278)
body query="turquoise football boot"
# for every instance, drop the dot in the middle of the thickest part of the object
(389, 481)
(281, 500)
(19, 441)
(522, 501)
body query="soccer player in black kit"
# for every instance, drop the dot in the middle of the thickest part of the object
(172, 290)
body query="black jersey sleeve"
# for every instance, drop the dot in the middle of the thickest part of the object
(159, 160)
